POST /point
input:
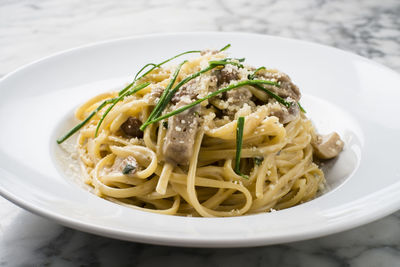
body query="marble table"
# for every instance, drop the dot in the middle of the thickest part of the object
(30, 30)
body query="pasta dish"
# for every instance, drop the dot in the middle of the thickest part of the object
(210, 137)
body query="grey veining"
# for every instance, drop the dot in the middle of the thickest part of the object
(30, 30)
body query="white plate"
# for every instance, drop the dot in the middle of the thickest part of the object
(341, 91)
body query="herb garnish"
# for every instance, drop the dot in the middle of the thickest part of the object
(110, 101)
(225, 47)
(258, 160)
(156, 109)
(154, 66)
(123, 93)
(188, 106)
(239, 142)
(161, 105)
(272, 94)
(251, 76)
(278, 98)
(80, 125)
(301, 108)
(224, 62)
(128, 168)
(269, 92)
(133, 90)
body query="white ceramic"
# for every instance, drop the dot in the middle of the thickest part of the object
(341, 91)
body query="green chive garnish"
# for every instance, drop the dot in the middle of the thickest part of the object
(239, 142)
(80, 125)
(110, 101)
(269, 92)
(161, 105)
(154, 113)
(188, 106)
(251, 76)
(225, 47)
(127, 93)
(217, 63)
(122, 93)
(272, 94)
(242, 59)
(301, 108)
(154, 66)
(143, 68)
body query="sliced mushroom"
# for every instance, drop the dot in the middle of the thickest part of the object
(285, 115)
(286, 89)
(131, 127)
(179, 139)
(236, 100)
(188, 92)
(155, 95)
(327, 146)
(226, 75)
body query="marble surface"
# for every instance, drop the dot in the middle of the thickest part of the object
(30, 30)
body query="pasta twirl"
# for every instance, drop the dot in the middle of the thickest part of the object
(170, 147)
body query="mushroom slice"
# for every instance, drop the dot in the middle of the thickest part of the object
(131, 127)
(285, 115)
(327, 146)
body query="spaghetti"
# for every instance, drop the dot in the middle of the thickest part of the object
(168, 142)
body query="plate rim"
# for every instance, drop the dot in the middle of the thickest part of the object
(161, 34)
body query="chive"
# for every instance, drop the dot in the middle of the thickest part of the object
(165, 93)
(153, 67)
(188, 106)
(134, 90)
(128, 168)
(269, 92)
(162, 63)
(109, 101)
(143, 68)
(301, 108)
(162, 105)
(217, 63)
(230, 58)
(258, 160)
(272, 94)
(251, 76)
(225, 47)
(80, 125)
(239, 142)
